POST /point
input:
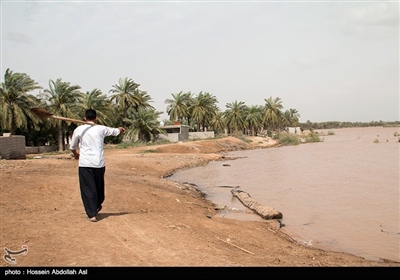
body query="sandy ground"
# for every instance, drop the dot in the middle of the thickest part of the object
(147, 220)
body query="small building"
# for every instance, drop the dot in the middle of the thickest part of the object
(176, 132)
(180, 132)
(294, 130)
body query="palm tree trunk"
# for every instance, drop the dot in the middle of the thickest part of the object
(13, 127)
(63, 139)
(59, 137)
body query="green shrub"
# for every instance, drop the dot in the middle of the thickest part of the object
(312, 137)
(331, 132)
(288, 139)
(376, 141)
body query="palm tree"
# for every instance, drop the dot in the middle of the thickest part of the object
(143, 124)
(126, 94)
(167, 122)
(66, 101)
(203, 109)
(254, 118)
(98, 101)
(273, 111)
(294, 117)
(178, 106)
(218, 123)
(235, 116)
(142, 100)
(15, 101)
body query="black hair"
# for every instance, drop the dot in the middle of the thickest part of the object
(90, 114)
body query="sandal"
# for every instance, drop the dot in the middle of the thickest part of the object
(99, 209)
(92, 219)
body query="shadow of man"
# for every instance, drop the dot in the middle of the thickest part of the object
(102, 216)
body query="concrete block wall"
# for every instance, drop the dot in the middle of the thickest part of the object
(40, 149)
(172, 137)
(12, 147)
(201, 135)
(176, 137)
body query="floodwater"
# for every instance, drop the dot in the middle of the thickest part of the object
(341, 194)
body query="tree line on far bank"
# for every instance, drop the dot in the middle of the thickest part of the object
(127, 104)
(336, 124)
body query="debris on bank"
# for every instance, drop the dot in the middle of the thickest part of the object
(265, 212)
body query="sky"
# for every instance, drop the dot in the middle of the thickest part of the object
(329, 60)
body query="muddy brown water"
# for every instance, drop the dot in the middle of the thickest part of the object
(341, 194)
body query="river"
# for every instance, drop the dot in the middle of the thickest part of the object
(341, 194)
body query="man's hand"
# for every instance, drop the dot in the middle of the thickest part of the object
(75, 154)
(122, 129)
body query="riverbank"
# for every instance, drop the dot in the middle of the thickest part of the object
(146, 220)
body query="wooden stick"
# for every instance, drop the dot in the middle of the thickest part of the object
(71, 120)
(44, 114)
(236, 246)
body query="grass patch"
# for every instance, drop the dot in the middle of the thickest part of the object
(136, 144)
(150, 151)
(126, 145)
(243, 138)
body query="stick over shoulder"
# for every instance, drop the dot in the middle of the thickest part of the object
(44, 114)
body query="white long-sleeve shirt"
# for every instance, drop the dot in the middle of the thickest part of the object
(90, 141)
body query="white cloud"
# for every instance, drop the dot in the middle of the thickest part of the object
(376, 20)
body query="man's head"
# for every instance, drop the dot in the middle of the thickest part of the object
(90, 115)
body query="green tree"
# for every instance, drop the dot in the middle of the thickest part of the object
(16, 102)
(294, 117)
(126, 94)
(218, 123)
(273, 112)
(253, 118)
(167, 122)
(98, 101)
(235, 116)
(64, 100)
(203, 108)
(178, 106)
(143, 124)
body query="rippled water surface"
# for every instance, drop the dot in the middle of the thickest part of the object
(341, 194)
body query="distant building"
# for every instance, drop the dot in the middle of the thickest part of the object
(176, 132)
(294, 130)
(180, 132)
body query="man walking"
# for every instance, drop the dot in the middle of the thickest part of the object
(89, 140)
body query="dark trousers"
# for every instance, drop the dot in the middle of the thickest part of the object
(91, 182)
